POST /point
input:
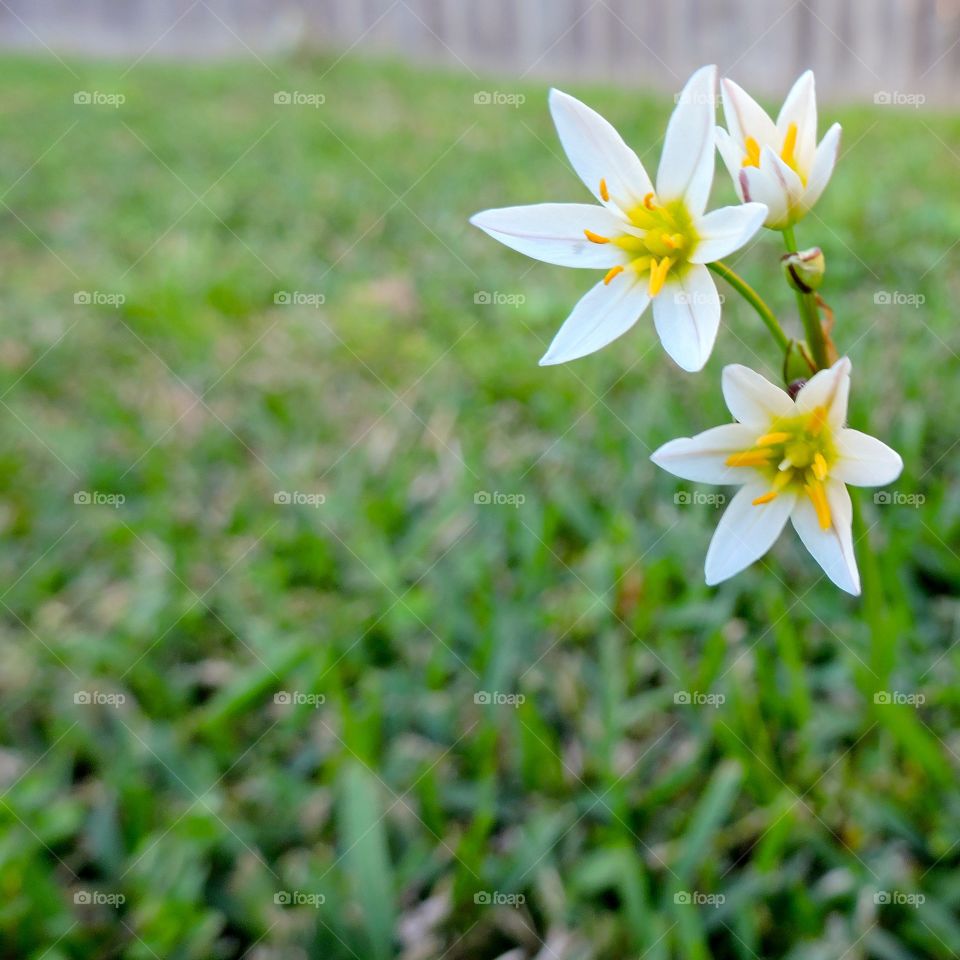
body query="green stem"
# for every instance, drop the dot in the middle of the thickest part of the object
(809, 313)
(755, 301)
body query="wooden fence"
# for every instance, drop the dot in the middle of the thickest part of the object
(900, 51)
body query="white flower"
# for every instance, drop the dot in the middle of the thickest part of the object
(653, 242)
(778, 164)
(794, 459)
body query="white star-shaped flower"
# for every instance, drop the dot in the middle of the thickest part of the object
(654, 242)
(793, 459)
(779, 164)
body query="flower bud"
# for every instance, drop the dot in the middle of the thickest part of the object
(804, 270)
(795, 387)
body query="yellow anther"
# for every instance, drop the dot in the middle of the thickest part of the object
(752, 159)
(648, 202)
(765, 498)
(818, 497)
(769, 438)
(595, 237)
(604, 192)
(817, 419)
(658, 275)
(749, 458)
(819, 466)
(788, 153)
(613, 272)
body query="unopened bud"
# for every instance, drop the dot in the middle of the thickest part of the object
(795, 387)
(804, 270)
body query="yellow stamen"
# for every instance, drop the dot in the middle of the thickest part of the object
(604, 192)
(818, 497)
(765, 498)
(613, 272)
(595, 237)
(752, 159)
(749, 458)
(817, 419)
(769, 438)
(790, 146)
(648, 202)
(658, 275)
(819, 466)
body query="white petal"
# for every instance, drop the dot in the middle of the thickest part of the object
(865, 461)
(687, 161)
(732, 155)
(727, 229)
(603, 314)
(763, 186)
(788, 178)
(830, 389)
(553, 232)
(832, 548)
(800, 108)
(745, 117)
(703, 458)
(746, 532)
(686, 314)
(753, 399)
(823, 163)
(597, 152)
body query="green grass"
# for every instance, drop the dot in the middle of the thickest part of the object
(590, 805)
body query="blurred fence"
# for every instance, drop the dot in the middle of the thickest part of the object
(898, 50)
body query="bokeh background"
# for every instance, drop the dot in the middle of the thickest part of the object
(332, 626)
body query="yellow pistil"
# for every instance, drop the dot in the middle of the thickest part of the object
(613, 272)
(818, 496)
(604, 192)
(752, 159)
(658, 275)
(595, 237)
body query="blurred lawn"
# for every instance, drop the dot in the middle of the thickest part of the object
(591, 810)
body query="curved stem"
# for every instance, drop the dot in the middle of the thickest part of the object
(755, 301)
(809, 313)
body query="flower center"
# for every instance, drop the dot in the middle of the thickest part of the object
(796, 454)
(668, 240)
(788, 153)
